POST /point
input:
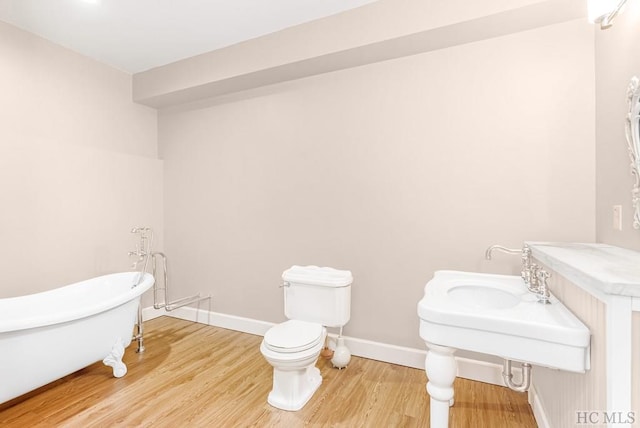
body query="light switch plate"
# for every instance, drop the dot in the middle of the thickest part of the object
(617, 217)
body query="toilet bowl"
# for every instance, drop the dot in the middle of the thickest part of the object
(293, 348)
(314, 298)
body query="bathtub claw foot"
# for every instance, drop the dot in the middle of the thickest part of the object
(114, 359)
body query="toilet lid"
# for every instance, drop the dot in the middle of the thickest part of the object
(293, 336)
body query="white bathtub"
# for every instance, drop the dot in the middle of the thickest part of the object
(48, 335)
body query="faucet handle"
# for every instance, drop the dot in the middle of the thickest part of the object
(542, 274)
(543, 290)
(532, 276)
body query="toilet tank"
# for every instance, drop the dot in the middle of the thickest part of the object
(317, 294)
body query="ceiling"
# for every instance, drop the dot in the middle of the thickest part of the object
(137, 35)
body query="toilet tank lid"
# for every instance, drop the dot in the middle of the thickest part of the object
(314, 275)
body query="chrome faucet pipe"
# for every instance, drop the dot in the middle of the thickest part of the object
(142, 252)
(487, 253)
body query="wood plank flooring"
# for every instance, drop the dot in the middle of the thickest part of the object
(193, 375)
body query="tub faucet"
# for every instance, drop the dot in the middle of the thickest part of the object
(143, 250)
(139, 253)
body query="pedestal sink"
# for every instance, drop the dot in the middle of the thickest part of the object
(495, 315)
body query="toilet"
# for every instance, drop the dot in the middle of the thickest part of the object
(314, 298)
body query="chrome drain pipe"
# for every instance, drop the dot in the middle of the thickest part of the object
(507, 376)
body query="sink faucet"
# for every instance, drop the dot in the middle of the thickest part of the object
(487, 253)
(527, 266)
(534, 277)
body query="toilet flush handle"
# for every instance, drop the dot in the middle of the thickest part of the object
(285, 284)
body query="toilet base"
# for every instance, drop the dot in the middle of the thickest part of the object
(292, 389)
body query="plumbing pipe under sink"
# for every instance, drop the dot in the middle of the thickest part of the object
(507, 377)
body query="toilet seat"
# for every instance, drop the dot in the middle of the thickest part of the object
(293, 336)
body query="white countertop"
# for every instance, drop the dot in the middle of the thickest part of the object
(598, 268)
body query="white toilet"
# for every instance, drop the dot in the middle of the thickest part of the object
(314, 298)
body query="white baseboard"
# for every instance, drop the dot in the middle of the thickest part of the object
(538, 409)
(467, 368)
(231, 322)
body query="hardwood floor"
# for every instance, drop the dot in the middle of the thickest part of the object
(193, 375)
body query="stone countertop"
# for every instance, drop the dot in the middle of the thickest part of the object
(598, 268)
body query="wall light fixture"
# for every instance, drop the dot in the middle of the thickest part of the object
(604, 11)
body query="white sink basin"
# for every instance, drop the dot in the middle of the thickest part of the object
(497, 315)
(481, 297)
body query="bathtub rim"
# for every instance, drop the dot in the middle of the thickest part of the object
(49, 319)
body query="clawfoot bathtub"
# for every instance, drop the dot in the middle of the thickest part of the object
(48, 335)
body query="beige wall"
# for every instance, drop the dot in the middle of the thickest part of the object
(78, 166)
(392, 170)
(617, 60)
